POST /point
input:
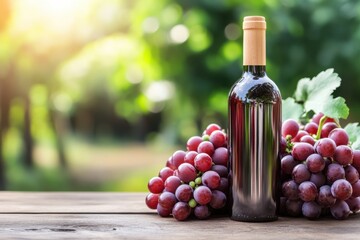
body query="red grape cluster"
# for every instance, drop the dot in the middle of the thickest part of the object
(194, 182)
(319, 170)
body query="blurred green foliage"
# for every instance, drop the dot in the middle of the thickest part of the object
(149, 71)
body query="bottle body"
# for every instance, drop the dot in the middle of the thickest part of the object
(254, 135)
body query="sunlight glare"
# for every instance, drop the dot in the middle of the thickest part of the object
(160, 91)
(179, 33)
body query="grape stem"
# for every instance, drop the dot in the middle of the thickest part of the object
(321, 124)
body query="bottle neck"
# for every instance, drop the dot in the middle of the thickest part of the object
(254, 43)
(255, 70)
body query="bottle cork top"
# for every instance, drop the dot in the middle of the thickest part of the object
(254, 22)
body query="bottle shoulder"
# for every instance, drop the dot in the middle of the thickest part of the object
(250, 88)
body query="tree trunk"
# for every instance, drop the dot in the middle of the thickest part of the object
(59, 128)
(4, 120)
(28, 140)
(6, 94)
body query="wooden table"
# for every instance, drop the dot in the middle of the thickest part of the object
(95, 215)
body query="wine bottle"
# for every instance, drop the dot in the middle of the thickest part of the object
(254, 131)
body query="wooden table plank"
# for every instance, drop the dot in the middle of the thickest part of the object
(72, 202)
(95, 215)
(151, 226)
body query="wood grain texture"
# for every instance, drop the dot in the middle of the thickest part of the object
(84, 215)
(72, 202)
(151, 226)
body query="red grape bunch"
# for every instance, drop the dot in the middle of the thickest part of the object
(319, 170)
(193, 182)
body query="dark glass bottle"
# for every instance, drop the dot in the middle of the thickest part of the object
(254, 134)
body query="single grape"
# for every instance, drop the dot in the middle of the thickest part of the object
(202, 212)
(178, 158)
(218, 199)
(187, 172)
(221, 156)
(206, 147)
(316, 118)
(343, 155)
(184, 193)
(351, 174)
(211, 127)
(283, 145)
(294, 207)
(167, 200)
(308, 139)
(340, 210)
(307, 191)
(151, 200)
(202, 195)
(339, 136)
(172, 183)
(198, 180)
(156, 185)
(193, 143)
(301, 151)
(311, 210)
(318, 179)
(192, 203)
(287, 164)
(224, 185)
(221, 170)
(327, 128)
(170, 164)
(206, 137)
(326, 147)
(163, 212)
(356, 189)
(289, 127)
(315, 163)
(211, 179)
(301, 173)
(325, 197)
(226, 141)
(300, 134)
(218, 138)
(181, 211)
(290, 190)
(356, 160)
(190, 156)
(334, 172)
(354, 204)
(203, 162)
(341, 189)
(165, 172)
(311, 128)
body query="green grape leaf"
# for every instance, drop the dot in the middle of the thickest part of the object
(301, 92)
(336, 108)
(319, 99)
(291, 109)
(323, 85)
(331, 107)
(353, 131)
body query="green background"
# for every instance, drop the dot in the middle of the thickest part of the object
(96, 95)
